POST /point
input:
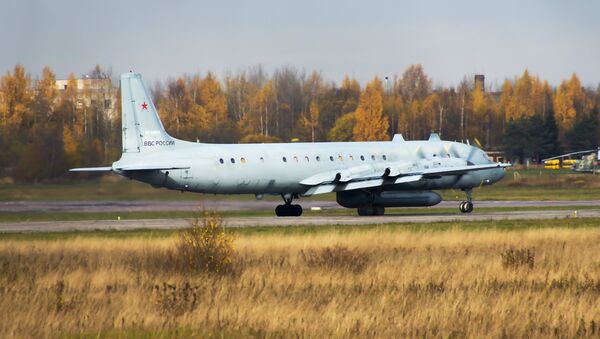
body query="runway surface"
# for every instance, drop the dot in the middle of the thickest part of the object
(232, 205)
(62, 226)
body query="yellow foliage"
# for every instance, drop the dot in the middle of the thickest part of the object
(69, 142)
(371, 124)
(213, 100)
(525, 98)
(569, 101)
(310, 121)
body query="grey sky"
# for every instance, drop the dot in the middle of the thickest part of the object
(165, 39)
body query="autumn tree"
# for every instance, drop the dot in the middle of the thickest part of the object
(371, 125)
(413, 87)
(569, 102)
(72, 122)
(309, 122)
(15, 115)
(343, 128)
(481, 117)
(288, 85)
(43, 155)
(526, 97)
(213, 100)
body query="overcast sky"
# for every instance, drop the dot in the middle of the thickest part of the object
(163, 39)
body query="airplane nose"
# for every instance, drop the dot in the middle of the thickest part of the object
(498, 174)
(493, 176)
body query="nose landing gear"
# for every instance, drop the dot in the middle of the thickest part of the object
(288, 209)
(467, 206)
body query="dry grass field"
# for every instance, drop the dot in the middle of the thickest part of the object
(372, 282)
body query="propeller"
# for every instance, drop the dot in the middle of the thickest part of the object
(449, 149)
(472, 153)
(420, 153)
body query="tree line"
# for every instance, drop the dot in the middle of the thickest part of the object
(45, 130)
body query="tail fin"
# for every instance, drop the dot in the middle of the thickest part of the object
(142, 129)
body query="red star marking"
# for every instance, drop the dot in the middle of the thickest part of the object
(145, 106)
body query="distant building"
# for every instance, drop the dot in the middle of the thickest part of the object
(94, 92)
(480, 82)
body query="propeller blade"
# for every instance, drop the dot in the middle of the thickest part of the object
(420, 153)
(471, 154)
(450, 150)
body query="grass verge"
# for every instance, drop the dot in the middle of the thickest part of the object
(474, 279)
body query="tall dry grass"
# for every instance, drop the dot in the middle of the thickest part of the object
(373, 283)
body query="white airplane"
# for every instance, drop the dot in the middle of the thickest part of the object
(368, 176)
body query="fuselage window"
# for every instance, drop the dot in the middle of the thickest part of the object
(243, 160)
(340, 158)
(384, 157)
(372, 157)
(221, 161)
(351, 157)
(284, 159)
(296, 158)
(262, 159)
(306, 158)
(331, 157)
(362, 157)
(318, 158)
(232, 160)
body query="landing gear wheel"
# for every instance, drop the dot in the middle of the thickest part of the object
(371, 210)
(288, 210)
(281, 210)
(296, 210)
(466, 207)
(364, 211)
(378, 210)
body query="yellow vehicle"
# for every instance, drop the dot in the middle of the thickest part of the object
(589, 162)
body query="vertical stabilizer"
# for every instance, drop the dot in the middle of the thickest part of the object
(141, 126)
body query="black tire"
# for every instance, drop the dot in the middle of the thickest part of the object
(365, 211)
(378, 210)
(288, 210)
(468, 207)
(296, 210)
(280, 211)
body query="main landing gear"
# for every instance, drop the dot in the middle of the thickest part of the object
(288, 209)
(467, 206)
(371, 210)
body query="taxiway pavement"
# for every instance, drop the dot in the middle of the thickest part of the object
(272, 221)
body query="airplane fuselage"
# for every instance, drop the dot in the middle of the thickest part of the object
(279, 168)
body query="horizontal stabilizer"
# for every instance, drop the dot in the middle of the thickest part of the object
(91, 169)
(149, 167)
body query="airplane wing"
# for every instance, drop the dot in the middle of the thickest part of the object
(92, 169)
(460, 169)
(331, 181)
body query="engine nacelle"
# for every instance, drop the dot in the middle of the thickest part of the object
(358, 198)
